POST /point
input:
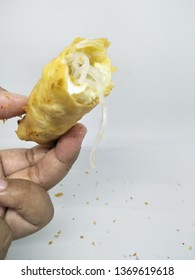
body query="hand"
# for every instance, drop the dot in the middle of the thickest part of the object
(27, 174)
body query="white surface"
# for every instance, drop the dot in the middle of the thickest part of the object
(148, 154)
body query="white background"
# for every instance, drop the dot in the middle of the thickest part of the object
(139, 202)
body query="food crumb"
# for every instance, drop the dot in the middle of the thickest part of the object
(59, 194)
(146, 203)
(190, 248)
(114, 221)
(93, 243)
(82, 237)
(97, 198)
(94, 222)
(134, 254)
(58, 233)
(50, 242)
(87, 171)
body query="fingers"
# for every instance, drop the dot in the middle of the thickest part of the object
(30, 207)
(14, 160)
(59, 160)
(56, 163)
(11, 104)
(6, 238)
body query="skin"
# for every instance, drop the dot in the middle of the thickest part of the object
(27, 174)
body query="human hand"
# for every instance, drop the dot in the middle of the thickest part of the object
(27, 174)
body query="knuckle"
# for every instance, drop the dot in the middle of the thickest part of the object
(30, 156)
(34, 175)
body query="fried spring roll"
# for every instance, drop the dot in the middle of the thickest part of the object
(72, 84)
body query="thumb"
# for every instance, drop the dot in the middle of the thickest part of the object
(29, 207)
(11, 104)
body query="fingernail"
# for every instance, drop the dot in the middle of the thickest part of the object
(76, 132)
(81, 130)
(2, 89)
(3, 184)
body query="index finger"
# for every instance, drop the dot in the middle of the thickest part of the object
(11, 104)
(56, 163)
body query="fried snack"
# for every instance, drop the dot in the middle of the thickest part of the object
(72, 84)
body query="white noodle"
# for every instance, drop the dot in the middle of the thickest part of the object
(100, 133)
(81, 71)
(84, 73)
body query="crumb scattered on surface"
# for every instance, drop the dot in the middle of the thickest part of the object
(134, 255)
(94, 222)
(190, 248)
(81, 236)
(97, 198)
(87, 171)
(58, 233)
(114, 221)
(59, 194)
(146, 203)
(50, 242)
(93, 243)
